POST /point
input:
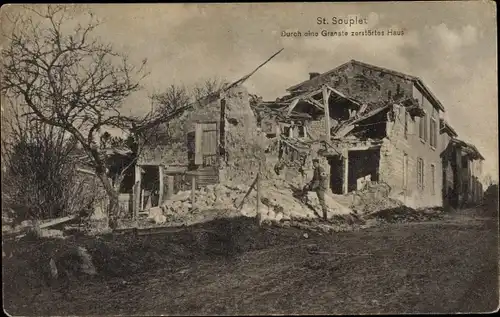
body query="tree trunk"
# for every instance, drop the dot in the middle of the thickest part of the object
(113, 207)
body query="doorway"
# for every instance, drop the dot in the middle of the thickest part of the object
(336, 172)
(150, 187)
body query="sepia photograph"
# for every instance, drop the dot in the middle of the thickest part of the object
(249, 158)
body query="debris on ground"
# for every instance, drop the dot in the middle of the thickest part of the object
(404, 214)
(373, 197)
(277, 203)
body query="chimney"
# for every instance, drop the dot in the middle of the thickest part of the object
(312, 75)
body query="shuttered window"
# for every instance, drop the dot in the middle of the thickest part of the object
(420, 173)
(434, 129)
(206, 144)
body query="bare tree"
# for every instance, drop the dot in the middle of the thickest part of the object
(70, 80)
(208, 87)
(38, 180)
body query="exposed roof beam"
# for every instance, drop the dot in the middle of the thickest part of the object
(335, 91)
(292, 105)
(314, 103)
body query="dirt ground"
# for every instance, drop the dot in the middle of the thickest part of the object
(444, 266)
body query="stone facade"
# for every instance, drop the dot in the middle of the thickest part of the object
(404, 177)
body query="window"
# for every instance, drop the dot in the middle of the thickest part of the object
(433, 179)
(433, 132)
(398, 89)
(422, 128)
(302, 131)
(389, 95)
(420, 173)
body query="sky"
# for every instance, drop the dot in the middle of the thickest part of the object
(451, 46)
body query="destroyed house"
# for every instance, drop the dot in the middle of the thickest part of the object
(213, 140)
(375, 125)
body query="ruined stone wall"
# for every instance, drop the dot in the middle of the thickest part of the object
(394, 147)
(245, 144)
(364, 84)
(317, 129)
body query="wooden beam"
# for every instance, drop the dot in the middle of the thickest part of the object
(342, 95)
(193, 190)
(314, 103)
(258, 192)
(345, 179)
(136, 199)
(137, 195)
(142, 200)
(170, 186)
(161, 189)
(326, 97)
(198, 155)
(304, 97)
(344, 130)
(292, 105)
(57, 221)
(364, 148)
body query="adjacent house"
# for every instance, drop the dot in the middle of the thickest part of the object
(450, 162)
(462, 170)
(375, 125)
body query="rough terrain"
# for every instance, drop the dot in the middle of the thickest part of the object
(235, 267)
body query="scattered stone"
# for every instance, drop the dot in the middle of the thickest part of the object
(87, 266)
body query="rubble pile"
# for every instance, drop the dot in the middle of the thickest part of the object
(374, 197)
(278, 202)
(405, 214)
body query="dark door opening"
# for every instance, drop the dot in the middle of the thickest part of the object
(150, 186)
(363, 167)
(336, 172)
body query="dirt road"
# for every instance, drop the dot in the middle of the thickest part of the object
(442, 266)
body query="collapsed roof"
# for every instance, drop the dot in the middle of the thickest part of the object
(309, 105)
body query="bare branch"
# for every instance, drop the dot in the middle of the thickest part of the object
(68, 81)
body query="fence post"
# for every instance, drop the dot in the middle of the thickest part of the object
(258, 193)
(193, 190)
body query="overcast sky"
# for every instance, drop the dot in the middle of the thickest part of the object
(450, 45)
